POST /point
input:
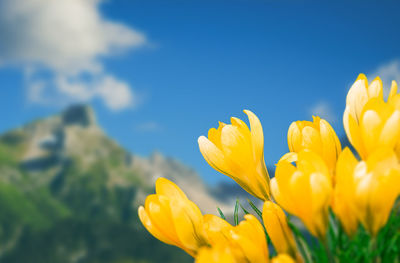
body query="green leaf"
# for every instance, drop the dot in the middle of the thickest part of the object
(255, 208)
(244, 210)
(301, 242)
(236, 213)
(221, 214)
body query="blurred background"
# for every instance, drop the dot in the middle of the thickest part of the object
(100, 98)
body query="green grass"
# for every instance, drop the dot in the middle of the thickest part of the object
(361, 248)
(340, 248)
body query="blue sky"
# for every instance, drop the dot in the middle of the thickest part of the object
(188, 64)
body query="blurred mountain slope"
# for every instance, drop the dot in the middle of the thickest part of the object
(69, 193)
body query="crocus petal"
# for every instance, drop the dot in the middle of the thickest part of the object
(277, 228)
(250, 237)
(294, 137)
(331, 146)
(145, 219)
(357, 96)
(370, 129)
(240, 124)
(280, 186)
(321, 197)
(311, 139)
(354, 134)
(289, 157)
(393, 91)
(282, 258)
(186, 217)
(375, 89)
(237, 150)
(391, 130)
(216, 228)
(214, 156)
(343, 203)
(257, 135)
(216, 254)
(276, 193)
(168, 188)
(157, 208)
(214, 135)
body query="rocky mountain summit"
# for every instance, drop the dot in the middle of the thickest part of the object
(69, 193)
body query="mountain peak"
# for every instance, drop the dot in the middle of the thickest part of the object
(79, 114)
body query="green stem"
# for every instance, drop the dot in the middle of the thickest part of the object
(301, 242)
(331, 259)
(304, 250)
(372, 248)
(340, 237)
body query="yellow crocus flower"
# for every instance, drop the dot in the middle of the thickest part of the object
(216, 229)
(344, 193)
(394, 100)
(216, 254)
(360, 93)
(375, 184)
(278, 230)
(238, 152)
(282, 258)
(244, 243)
(304, 190)
(249, 238)
(317, 136)
(172, 218)
(369, 121)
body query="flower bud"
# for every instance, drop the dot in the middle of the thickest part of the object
(238, 152)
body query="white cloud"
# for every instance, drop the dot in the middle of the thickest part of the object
(324, 110)
(60, 45)
(387, 72)
(114, 93)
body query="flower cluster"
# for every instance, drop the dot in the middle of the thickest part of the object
(316, 181)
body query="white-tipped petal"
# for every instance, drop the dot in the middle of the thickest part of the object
(213, 156)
